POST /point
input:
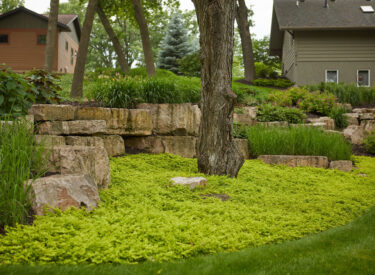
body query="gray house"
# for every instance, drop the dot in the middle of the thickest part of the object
(325, 40)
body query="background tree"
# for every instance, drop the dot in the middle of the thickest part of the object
(261, 53)
(51, 35)
(246, 43)
(146, 42)
(217, 151)
(175, 45)
(77, 85)
(8, 5)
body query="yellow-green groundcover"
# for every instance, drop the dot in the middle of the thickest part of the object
(143, 217)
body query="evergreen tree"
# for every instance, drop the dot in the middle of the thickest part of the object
(175, 44)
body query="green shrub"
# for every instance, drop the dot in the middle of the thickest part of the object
(300, 140)
(21, 159)
(269, 113)
(124, 93)
(46, 86)
(16, 94)
(370, 143)
(338, 114)
(279, 83)
(356, 96)
(265, 71)
(190, 65)
(160, 91)
(319, 103)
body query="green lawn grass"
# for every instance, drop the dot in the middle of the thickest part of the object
(348, 249)
(143, 217)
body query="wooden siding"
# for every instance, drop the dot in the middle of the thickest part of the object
(336, 46)
(23, 53)
(288, 56)
(22, 20)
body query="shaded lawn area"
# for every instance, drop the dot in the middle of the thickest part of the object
(348, 249)
(144, 218)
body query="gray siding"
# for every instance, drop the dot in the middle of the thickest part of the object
(345, 51)
(289, 57)
(73, 34)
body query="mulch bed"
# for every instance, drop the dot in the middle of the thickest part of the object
(360, 151)
(82, 104)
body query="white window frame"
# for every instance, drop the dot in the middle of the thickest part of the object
(332, 70)
(369, 77)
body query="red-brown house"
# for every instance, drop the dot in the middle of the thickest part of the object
(23, 40)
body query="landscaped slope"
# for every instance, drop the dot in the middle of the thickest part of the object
(143, 217)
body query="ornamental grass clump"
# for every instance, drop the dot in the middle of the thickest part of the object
(301, 140)
(21, 159)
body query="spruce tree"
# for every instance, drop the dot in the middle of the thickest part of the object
(175, 45)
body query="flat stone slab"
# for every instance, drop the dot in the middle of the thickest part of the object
(191, 182)
(342, 165)
(63, 192)
(52, 112)
(76, 127)
(296, 161)
(50, 140)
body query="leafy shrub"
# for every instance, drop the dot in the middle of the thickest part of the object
(302, 140)
(356, 96)
(47, 91)
(16, 94)
(265, 71)
(319, 103)
(160, 91)
(124, 93)
(338, 114)
(21, 159)
(269, 113)
(156, 221)
(190, 65)
(370, 143)
(279, 83)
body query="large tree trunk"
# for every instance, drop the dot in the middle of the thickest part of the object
(247, 44)
(79, 71)
(146, 42)
(51, 35)
(115, 41)
(217, 151)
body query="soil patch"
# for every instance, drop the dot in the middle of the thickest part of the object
(82, 104)
(359, 150)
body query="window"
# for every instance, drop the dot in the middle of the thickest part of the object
(71, 56)
(4, 39)
(363, 78)
(42, 39)
(332, 76)
(66, 46)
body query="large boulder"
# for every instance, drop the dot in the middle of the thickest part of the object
(89, 160)
(326, 123)
(243, 146)
(123, 122)
(355, 134)
(342, 165)
(247, 117)
(63, 192)
(50, 140)
(366, 116)
(368, 127)
(77, 127)
(183, 146)
(294, 161)
(353, 118)
(52, 112)
(174, 119)
(114, 145)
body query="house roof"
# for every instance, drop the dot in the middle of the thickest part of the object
(312, 15)
(61, 25)
(67, 19)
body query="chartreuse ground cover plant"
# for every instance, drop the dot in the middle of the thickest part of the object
(142, 217)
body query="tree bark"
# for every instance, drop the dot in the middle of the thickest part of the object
(246, 42)
(115, 41)
(146, 42)
(79, 70)
(217, 152)
(51, 35)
